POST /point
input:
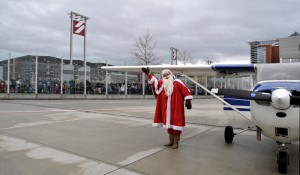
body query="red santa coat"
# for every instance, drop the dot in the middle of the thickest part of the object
(169, 112)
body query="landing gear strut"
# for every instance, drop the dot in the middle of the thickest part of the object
(283, 159)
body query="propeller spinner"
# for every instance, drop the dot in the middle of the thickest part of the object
(281, 99)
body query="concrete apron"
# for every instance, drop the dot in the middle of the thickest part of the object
(74, 142)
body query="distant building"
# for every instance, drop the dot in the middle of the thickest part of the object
(23, 68)
(264, 51)
(253, 51)
(276, 50)
(290, 48)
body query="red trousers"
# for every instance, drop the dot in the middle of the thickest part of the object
(173, 132)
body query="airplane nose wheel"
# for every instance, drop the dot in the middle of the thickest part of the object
(283, 158)
(228, 134)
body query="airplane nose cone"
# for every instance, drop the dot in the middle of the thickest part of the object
(281, 98)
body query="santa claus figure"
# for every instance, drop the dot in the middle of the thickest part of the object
(170, 95)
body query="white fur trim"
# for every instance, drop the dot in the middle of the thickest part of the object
(188, 97)
(165, 71)
(151, 80)
(178, 128)
(158, 91)
(168, 112)
(154, 80)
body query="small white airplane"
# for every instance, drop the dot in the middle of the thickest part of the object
(273, 105)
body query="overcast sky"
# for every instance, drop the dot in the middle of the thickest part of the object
(218, 30)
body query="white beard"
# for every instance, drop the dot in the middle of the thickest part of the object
(168, 85)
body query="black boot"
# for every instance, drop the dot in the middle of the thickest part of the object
(171, 140)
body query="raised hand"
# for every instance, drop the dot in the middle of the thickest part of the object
(146, 70)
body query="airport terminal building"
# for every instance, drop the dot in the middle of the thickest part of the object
(23, 68)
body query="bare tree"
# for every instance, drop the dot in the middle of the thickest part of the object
(185, 57)
(207, 61)
(144, 50)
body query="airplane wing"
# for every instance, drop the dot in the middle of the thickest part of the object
(208, 70)
(194, 70)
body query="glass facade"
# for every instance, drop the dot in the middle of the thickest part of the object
(23, 78)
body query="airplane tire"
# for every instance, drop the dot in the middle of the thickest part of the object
(282, 162)
(228, 134)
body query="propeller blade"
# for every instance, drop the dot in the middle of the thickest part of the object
(246, 94)
(295, 100)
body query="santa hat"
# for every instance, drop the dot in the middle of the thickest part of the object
(166, 71)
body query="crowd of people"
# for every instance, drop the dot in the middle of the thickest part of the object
(72, 87)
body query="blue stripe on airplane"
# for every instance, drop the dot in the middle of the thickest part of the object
(233, 68)
(238, 102)
(240, 109)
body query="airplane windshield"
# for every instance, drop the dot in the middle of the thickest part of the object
(278, 71)
(271, 86)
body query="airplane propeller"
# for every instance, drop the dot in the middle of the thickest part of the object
(280, 98)
(295, 100)
(246, 94)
